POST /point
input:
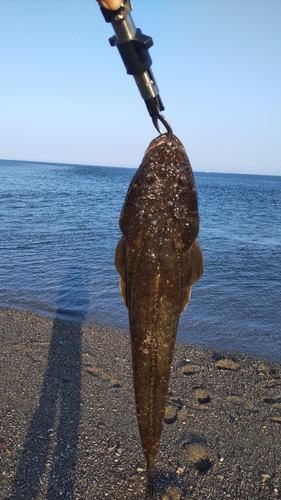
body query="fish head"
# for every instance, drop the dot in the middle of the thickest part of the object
(161, 201)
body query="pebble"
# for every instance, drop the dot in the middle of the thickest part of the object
(265, 477)
(184, 415)
(115, 383)
(199, 456)
(175, 400)
(202, 396)
(180, 470)
(191, 369)
(276, 419)
(263, 367)
(172, 493)
(170, 414)
(196, 451)
(237, 400)
(277, 406)
(227, 364)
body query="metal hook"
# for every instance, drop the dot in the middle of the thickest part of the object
(166, 124)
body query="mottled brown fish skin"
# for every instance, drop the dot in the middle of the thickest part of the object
(158, 259)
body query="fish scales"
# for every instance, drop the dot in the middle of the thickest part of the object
(158, 259)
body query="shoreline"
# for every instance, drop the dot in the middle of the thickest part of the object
(67, 316)
(69, 429)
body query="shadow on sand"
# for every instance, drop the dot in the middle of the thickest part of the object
(51, 440)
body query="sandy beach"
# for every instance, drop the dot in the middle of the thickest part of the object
(69, 428)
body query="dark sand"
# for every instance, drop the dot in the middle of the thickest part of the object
(69, 429)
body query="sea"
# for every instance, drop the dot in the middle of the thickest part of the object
(58, 233)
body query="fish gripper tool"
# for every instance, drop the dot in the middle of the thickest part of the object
(133, 47)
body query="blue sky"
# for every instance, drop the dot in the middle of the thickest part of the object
(65, 95)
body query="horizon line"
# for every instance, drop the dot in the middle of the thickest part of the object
(126, 166)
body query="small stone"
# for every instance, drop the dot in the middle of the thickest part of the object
(276, 419)
(115, 383)
(191, 369)
(41, 344)
(172, 493)
(277, 406)
(175, 400)
(180, 470)
(268, 384)
(199, 456)
(170, 414)
(237, 400)
(202, 396)
(262, 367)
(265, 477)
(227, 364)
(184, 415)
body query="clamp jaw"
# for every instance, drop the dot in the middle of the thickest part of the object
(133, 47)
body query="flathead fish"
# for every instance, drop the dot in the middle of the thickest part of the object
(158, 259)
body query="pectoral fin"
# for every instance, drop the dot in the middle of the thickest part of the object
(120, 267)
(185, 296)
(193, 264)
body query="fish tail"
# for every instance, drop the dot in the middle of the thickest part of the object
(151, 487)
(150, 476)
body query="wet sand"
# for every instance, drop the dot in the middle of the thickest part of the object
(69, 429)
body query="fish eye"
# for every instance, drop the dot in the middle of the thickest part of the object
(150, 177)
(182, 180)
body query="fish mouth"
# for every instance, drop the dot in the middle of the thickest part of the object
(165, 138)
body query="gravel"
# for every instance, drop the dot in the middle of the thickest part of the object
(68, 427)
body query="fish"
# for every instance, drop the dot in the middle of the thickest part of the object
(158, 258)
